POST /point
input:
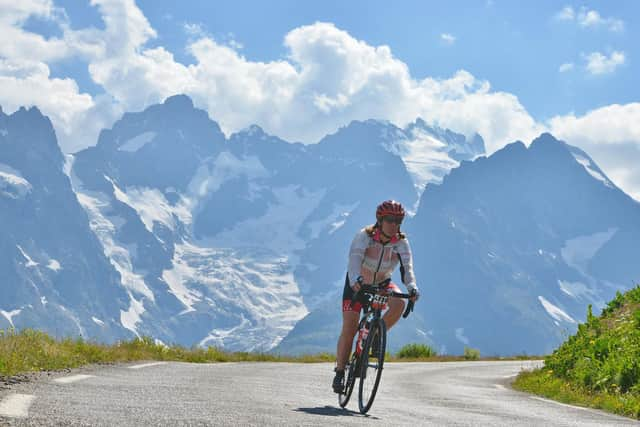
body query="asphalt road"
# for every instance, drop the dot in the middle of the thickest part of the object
(242, 394)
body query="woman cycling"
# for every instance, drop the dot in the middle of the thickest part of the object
(375, 252)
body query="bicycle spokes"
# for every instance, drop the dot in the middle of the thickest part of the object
(372, 363)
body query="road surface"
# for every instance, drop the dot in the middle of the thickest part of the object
(425, 394)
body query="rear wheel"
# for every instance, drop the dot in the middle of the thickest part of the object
(350, 380)
(352, 368)
(371, 365)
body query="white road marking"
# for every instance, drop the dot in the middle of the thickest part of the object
(72, 378)
(16, 405)
(510, 376)
(500, 387)
(146, 365)
(595, 411)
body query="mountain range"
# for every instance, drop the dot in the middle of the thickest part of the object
(170, 229)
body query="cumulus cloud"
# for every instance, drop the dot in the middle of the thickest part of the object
(591, 18)
(194, 29)
(23, 83)
(566, 14)
(18, 44)
(327, 79)
(597, 63)
(567, 66)
(448, 38)
(587, 18)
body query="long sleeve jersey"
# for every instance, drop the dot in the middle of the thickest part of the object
(375, 261)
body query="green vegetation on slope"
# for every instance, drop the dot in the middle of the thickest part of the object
(599, 366)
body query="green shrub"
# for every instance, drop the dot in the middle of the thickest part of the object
(600, 364)
(614, 304)
(471, 353)
(415, 351)
(636, 317)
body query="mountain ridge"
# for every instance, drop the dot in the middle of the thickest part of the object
(231, 241)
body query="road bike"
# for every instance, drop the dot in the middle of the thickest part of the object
(367, 358)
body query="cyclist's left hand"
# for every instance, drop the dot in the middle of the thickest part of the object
(415, 295)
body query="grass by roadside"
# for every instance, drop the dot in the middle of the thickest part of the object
(32, 351)
(599, 366)
(543, 383)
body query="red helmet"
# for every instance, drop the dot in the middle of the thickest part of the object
(389, 207)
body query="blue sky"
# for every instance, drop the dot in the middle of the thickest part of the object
(517, 46)
(508, 70)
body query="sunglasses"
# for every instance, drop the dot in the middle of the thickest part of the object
(392, 218)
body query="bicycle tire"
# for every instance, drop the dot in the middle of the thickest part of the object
(350, 381)
(371, 372)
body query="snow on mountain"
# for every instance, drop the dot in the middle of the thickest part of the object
(578, 251)
(557, 313)
(277, 228)
(429, 153)
(54, 265)
(137, 142)
(168, 244)
(30, 262)
(508, 250)
(12, 183)
(168, 229)
(9, 315)
(53, 273)
(333, 222)
(590, 166)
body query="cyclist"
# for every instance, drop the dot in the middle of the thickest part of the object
(375, 253)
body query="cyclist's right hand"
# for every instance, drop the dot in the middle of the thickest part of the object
(357, 284)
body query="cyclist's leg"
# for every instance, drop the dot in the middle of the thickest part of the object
(345, 342)
(350, 317)
(396, 307)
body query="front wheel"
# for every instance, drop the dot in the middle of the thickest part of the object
(373, 353)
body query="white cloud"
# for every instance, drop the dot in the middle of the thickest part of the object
(18, 44)
(194, 29)
(566, 14)
(611, 135)
(13, 11)
(598, 63)
(327, 79)
(24, 84)
(448, 38)
(567, 66)
(233, 43)
(589, 19)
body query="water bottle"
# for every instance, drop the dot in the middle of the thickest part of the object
(362, 336)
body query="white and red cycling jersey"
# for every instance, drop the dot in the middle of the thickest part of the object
(375, 261)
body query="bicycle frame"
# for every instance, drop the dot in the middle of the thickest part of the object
(372, 311)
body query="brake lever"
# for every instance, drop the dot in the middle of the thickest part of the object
(409, 306)
(408, 310)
